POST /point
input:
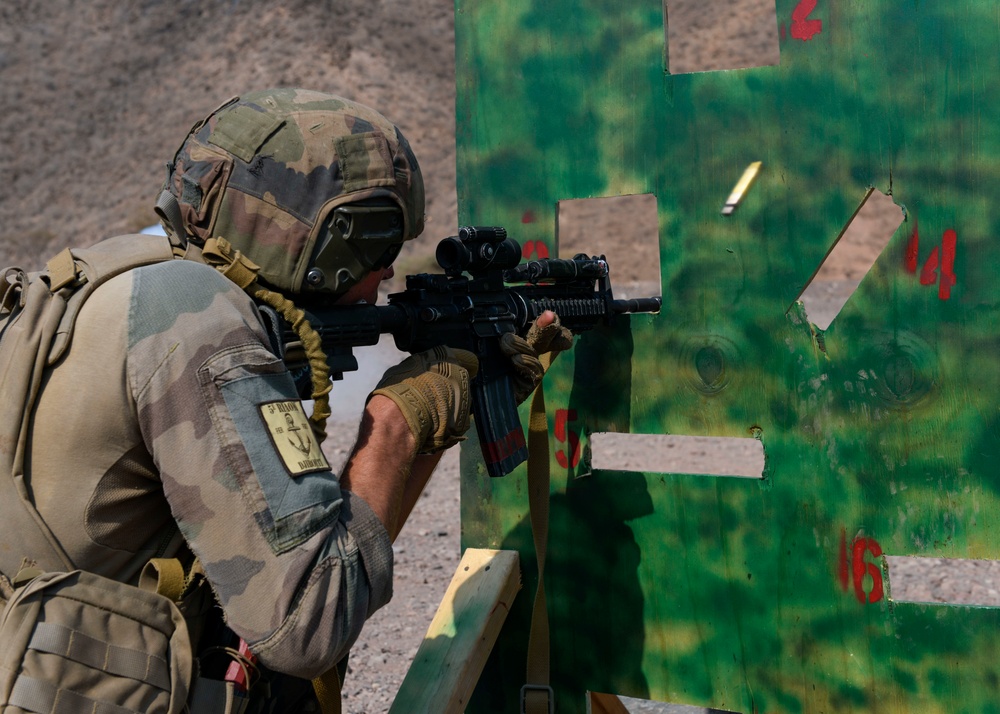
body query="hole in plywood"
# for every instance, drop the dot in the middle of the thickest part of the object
(861, 242)
(711, 35)
(625, 229)
(667, 453)
(951, 581)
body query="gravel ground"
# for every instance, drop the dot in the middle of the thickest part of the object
(426, 556)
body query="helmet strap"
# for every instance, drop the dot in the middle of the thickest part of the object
(169, 210)
(313, 346)
(220, 254)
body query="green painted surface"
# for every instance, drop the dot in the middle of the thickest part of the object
(881, 435)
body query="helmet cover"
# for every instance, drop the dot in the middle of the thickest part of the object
(268, 170)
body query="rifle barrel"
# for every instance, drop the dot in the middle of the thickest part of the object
(650, 304)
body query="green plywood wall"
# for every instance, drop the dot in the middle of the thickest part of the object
(881, 433)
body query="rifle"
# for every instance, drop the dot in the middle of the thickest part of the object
(469, 307)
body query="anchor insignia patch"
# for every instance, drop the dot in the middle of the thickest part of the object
(288, 427)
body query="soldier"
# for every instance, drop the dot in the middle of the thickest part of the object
(171, 427)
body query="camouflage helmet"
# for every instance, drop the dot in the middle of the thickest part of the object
(315, 189)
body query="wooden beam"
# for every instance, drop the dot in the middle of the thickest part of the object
(461, 635)
(606, 704)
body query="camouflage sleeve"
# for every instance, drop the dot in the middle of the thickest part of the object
(297, 564)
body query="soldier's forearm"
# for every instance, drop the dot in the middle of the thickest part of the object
(380, 467)
(420, 474)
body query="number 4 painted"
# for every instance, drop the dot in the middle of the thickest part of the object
(943, 261)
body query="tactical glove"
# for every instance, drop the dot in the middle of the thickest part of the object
(524, 351)
(431, 389)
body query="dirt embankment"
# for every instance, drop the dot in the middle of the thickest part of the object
(98, 95)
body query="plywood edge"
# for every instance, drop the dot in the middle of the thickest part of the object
(461, 635)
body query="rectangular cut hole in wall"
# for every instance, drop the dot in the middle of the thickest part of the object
(861, 242)
(667, 453)
(710, 35)
(952, 581)
(623, 228)
(607, 704)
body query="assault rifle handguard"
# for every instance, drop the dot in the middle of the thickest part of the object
(469, 307)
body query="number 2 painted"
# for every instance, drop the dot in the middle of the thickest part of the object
(802, 27)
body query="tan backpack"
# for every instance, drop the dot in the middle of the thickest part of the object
(71, 641)
(37, 315)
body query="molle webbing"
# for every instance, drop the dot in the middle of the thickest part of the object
(77, 642)
(36, 328)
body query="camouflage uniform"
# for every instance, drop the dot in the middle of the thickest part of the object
(170, 424)
(165, 443)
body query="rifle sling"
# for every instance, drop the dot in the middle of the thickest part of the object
(536, 695)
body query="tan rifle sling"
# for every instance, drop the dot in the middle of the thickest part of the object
(37, 315)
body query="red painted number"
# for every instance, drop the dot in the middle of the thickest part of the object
(842, 572)
(912, 250)
(857, 566)
(802, 27)
(940, 264)
(532, 247)
(948, 242)
(564, 435)
(928, 273)
(861, 567)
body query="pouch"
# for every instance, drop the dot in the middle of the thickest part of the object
(74, 641)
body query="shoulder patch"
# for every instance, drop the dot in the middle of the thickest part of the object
(288, 427)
